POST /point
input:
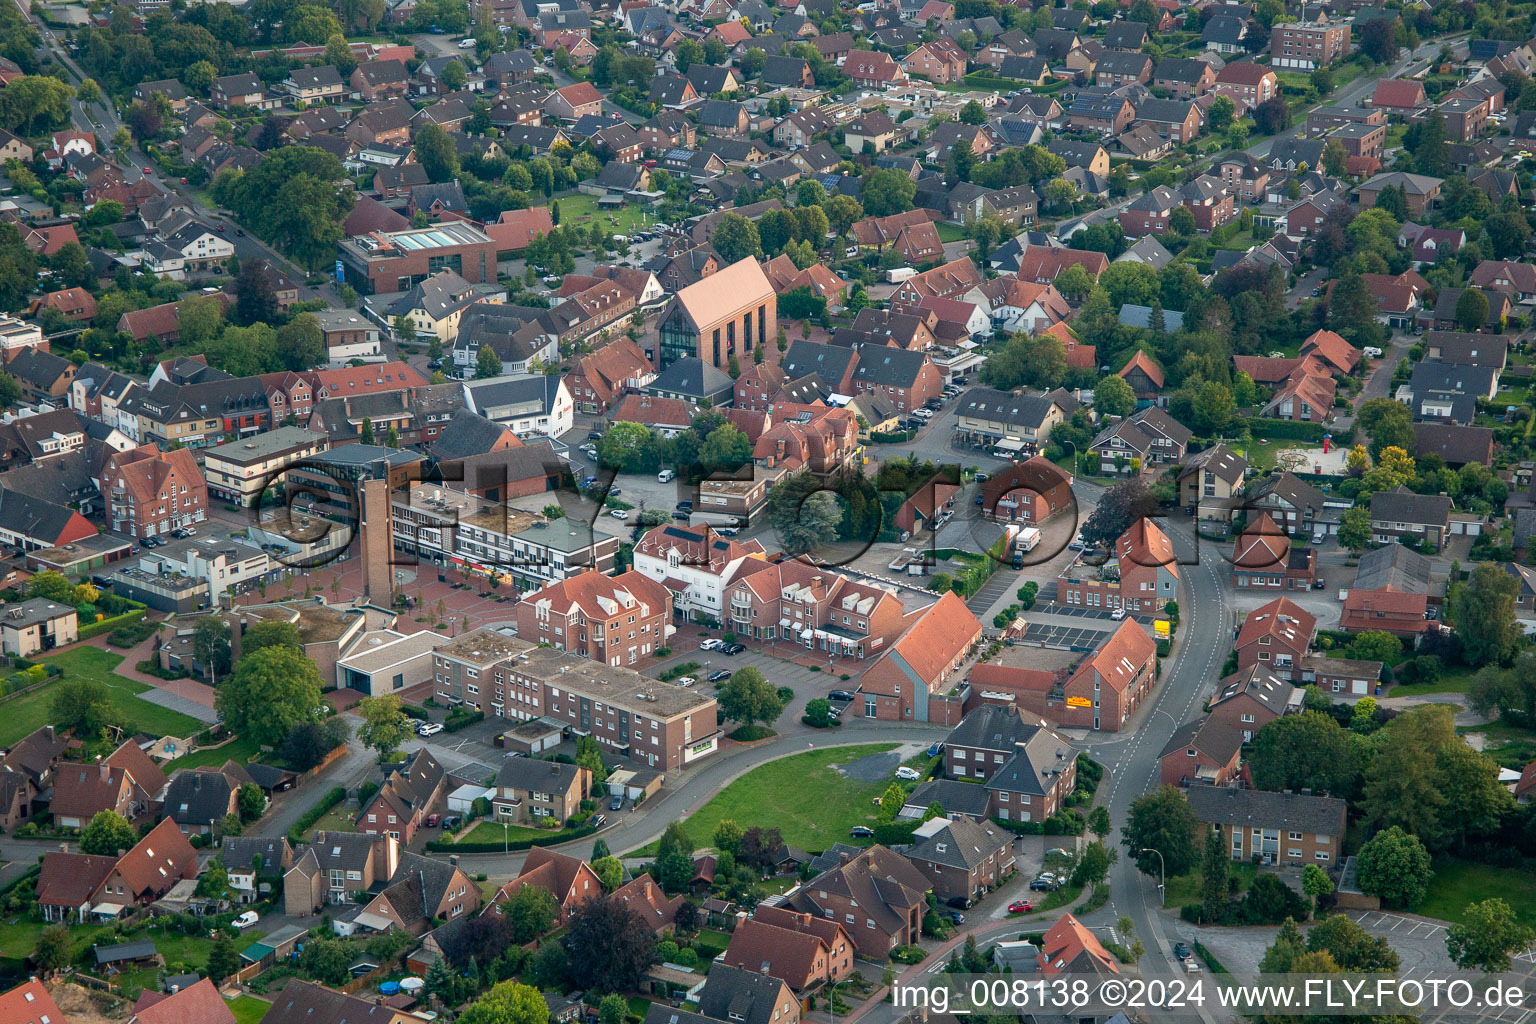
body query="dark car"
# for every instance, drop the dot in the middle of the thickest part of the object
(436, 364)
(959, 901)
(599, 820)
(861, 832)
(936, 750)
(733, 648)
(1319, 584)
(840, 695)
(685, 506)
(719, 676)
(1043, 885)
(1182, 951)
(594, 435)
(957, 917)
(616, 804)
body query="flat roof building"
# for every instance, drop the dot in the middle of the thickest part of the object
(240, 470)
(396, 261)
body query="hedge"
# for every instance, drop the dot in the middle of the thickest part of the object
(1291, 431)
(565, 835)
(296, 834)
(108, 625)
(892, 834)
(1060, 824)
(457, 721)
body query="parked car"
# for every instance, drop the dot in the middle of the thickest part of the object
(861, 832)
(1319, 584)
(923, 414)
(451, 821)
(1046, 882)
(733, 649)
(957, 917)
(840, 695)
(1020, 907)
(431, 821)
(719, 676)
(429, 728)
(685, 680)
(714, 643)
(246, 920)
(908, 774)
(619, 513)
(599, 820)
(936, 749)
(1182, 951)
(1117, 614)
(616, 804)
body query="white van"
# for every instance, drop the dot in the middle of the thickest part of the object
(1319, 535)
(666, 476)
(466, 44)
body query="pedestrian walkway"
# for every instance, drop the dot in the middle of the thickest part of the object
(187, 696)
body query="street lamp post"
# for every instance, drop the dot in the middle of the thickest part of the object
(1162, 870)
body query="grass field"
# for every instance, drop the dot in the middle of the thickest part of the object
(240, 751)
(1454, 680)
(1458, 883)
(248, 1009)
(811, 803)
(582, 210)
(1510, 745)
(25, 714)
(1185, 889)
(490, 832)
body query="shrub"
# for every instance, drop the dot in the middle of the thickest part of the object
(909, 954)
(299, 832)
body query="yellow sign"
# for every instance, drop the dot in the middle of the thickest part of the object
(1160, 627)
(1079, 702)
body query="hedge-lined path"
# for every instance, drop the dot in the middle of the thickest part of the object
(187, 696)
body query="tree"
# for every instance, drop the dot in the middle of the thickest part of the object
(609, 871)
(1122, 506)
(230, 825)
(1215, 868)
(210, 645)
(270, 633)
(1093, 865)
(1162, 821)
(507, 1002)
(108, 834)
(255, 294)
(213, 883)
(886, 191)
(436, 153)
(1221, 112)
(531, 911)
(1389, 424)
(802, 514)
(590, 756)
(1098, 821)
(365, 435)
(1487, 936)
(301, 343)
(53, 948)
(1272, 116)
(1471, 309)
(1315, 882)
(1351, 946)
(1394, 866)
(818, 712)
(958, 164)
(1484, 615)
(748, 698)
(630, 448)
(842, 213)
(270, 693)
(735, 238)
(223, 959)
(608, 946)
(1309, 750)
(82, 705)
(674, 858)
(252, 802)
(487, 363)
(891, 801)
(612, 1009)
(454, 75)
(292, 200)
(1355, 529)
(385, 725)
(1182, 222)
(1112, 396)
(1335, 160)
(726, 449)
(728, 836)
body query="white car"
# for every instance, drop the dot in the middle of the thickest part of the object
(246, 920)
(685, 680)
(923, 414)
(1117, 614)
(908, 774)
(619, 513)
(712, 644)
(429, 728)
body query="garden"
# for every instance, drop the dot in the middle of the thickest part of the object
(30, 711)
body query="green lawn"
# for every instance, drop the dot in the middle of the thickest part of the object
(1510, 745)
(1185, 889)
(1454, 680)
(1458, 883)
(811, 803)
(25, 714)
(338, 819)
(582, 209)
(240, 751)
(950, 232)
(490, 832)
(248, 1009)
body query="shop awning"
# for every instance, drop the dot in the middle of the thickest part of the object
(1009, 444)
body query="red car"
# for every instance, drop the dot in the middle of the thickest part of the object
(431, 821)
(1020, 907)
(149, 170)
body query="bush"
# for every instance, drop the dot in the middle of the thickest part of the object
(687, 668)
(299, 832)
(909, 954)
(461, 718)
(553, 839)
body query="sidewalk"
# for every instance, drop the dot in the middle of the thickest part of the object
(187, 696)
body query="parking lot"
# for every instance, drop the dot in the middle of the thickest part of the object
(1070, 638)
(806, 683)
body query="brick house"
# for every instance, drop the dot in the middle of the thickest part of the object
(1251, 698)
(150, 492)
(935, 643)
(823, 610)
(1212, 475)
(1246, 84)
(805, 951)
(401, 803)
(1276, 636)
(1205, 752)
(878, 895)
(940, 60)
(335, 867)
(1110, 683)
(570, 879)
(1029, 492)
(964, 859)
(528, 790)
(1401, 514)
(1263, 559)
(1141, 575)
(1274, 828)
(422, 889)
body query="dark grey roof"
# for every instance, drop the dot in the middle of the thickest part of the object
(240, 851)
(1393, 565)
(1035, 765)
(467, 434)
(1026, 409)
(448, 193)
(1456, 445)
(888, 367)
(1125, 35)
(690, 376)
(1257, 808)
(1215, 737)
(198, 798)
(719, 113)
(954, 796)
(345, 850)
(741, 996)
(536, 776)
(1400, 505)
(37, 368)
(827, 361)
(993, 727)
(961, 844)
(36, 518)
(124, 951)
(1274, 693)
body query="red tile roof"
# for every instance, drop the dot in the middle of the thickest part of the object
(29, 1003)
(1122, 657)
(355, 380)
(1144, 362)
(1283, 619)
(1262, 547)
(195, 1004)
(514, 229)
(1398, 92)
(1068, 939)
(941, 632)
